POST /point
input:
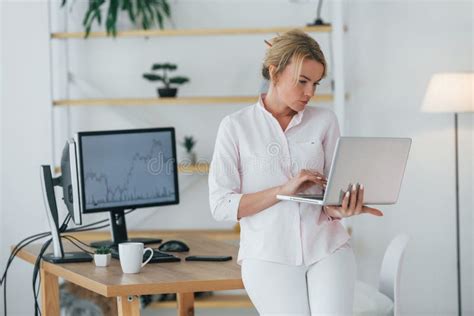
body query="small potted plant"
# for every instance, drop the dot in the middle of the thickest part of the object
(167, 91)
(102, 257)
(188, 145)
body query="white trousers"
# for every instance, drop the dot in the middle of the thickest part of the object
(323, 288)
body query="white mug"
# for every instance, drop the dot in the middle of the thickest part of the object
(131, 256)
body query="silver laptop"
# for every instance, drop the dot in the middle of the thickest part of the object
(376, 162)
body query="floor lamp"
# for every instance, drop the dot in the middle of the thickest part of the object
(452, 93)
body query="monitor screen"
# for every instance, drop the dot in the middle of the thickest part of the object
(127, 169)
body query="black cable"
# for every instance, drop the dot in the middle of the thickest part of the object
(30, 239)
(71, 240)
(36, 272)
(81, 229)
(39, 286)
(38, 263)
(63, 227)
(86, 226)
(15, 251)
(78, 230)
(78, 240)
(13, 254)
(18, 247)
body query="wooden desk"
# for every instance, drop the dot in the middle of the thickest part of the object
(183, 278)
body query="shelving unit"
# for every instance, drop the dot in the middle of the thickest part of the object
(334, 98)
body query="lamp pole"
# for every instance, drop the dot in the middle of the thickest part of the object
(458, 239)
(452, 92)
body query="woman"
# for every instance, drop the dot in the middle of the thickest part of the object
(296, 258)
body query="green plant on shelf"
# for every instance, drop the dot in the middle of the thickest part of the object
(167, 91)
(189, 157)
(164, 78)
(102, 251)
(188, 143)
(143, 13)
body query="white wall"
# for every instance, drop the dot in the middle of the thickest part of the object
(2, 245)
(25, 128)
(393, 48)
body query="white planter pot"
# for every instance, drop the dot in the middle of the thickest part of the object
(102, 260)
(189, 158)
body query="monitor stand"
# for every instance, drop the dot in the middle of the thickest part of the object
(118, 228)
(58, 256)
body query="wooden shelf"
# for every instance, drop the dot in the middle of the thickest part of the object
(192, 32)
(202, 168)
(214, 301)
(172, 101)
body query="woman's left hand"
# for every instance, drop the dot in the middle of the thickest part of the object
(352, 204)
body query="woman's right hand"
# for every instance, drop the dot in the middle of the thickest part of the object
(303, 180)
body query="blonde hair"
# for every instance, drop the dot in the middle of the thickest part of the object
(292, 46)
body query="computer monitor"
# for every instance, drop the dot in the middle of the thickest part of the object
(126, 169)
(69, 181)
(58, 255)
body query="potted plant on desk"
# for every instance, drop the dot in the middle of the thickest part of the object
(167, 91)
(190, 154)
(102, 257)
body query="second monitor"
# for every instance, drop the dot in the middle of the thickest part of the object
(126, 169)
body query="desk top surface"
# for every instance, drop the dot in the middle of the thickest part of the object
(154, 278)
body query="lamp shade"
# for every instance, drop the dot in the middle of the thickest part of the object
(450, 92)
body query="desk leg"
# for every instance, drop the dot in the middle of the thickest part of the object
(49, 294)
(128, 305)
(185, 304)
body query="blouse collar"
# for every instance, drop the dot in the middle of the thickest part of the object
(294, 121)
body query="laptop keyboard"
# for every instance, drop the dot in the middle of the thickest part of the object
(311, 196)
(158, 256)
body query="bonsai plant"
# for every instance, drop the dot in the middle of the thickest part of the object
(145, 13)
(167, 91)
(188, 145)
(102, 257)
